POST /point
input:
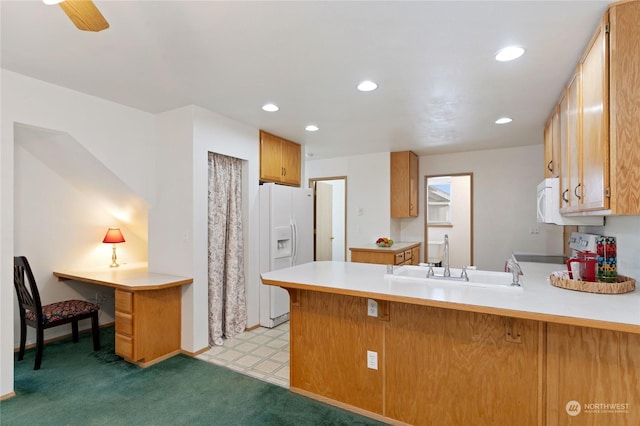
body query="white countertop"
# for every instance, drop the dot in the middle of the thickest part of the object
(134, 276)
(537, 299)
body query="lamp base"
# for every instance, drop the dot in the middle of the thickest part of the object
(114, 259)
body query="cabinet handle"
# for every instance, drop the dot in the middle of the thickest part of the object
(575, 191)
(550, 166)
(564, 196)
(284, 171)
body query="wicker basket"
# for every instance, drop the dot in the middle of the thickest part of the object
(621, 284)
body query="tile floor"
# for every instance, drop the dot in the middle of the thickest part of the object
(262, 353)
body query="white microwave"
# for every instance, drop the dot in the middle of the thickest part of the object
(549, 207)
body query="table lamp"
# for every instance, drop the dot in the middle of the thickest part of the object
(113, 236)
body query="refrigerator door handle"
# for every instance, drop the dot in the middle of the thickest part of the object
(294, 242)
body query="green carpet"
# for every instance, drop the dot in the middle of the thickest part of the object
(77, 386)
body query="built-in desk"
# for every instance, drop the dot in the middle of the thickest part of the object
(147, 310)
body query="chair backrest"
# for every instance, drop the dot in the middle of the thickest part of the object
(28, 298)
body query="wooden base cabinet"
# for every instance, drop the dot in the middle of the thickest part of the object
(148, 324)
(407, 255)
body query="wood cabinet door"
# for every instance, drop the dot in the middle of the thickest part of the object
(291, 158)
(595, 126)
(548, 148)
(624, 116)
(415, 255)
(574, 193)
(565, 153)
(404, 184)
(413, 185)
(270, 157)
(556, 131)
(552, 145)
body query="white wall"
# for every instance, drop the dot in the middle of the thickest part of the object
(368, 196)
(178, 236)
(504, 202)
(504, 185)
(118, 137)
(626, 229)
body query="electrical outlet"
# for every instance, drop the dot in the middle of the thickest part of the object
(372, 308)
(372, 360)
(100, 299)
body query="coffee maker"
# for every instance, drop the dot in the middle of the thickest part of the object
(594, 257)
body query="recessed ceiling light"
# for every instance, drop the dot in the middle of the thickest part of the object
(270, 107)
(509, 53)
(367, 86)
(311, 128)
(503, 120)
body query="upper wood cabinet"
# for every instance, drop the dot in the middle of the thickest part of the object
(552, 145)
(600, 151)
(404, 184)
(280, 160)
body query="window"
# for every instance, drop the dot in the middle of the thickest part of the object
(439, 201)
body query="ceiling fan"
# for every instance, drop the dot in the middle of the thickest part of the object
(83, 13)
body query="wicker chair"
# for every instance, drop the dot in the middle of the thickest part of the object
(40, 317)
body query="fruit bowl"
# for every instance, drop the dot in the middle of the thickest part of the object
(384, 242)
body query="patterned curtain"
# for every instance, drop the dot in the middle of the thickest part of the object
(227, 306)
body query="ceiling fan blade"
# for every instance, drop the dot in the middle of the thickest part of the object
(84, 15)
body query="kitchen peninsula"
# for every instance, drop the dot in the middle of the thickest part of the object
(452, 353)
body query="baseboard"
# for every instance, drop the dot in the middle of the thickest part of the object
(7, 396)
(348, 407)
(196, 353)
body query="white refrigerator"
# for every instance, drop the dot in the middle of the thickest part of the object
(286, 239)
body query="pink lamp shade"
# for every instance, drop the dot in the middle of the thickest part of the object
(113, 236)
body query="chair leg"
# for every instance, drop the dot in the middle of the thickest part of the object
(23, 338)
(74, 330)
(39, 346)
(95, 331)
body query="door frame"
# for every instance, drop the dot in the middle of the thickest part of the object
(311, 184)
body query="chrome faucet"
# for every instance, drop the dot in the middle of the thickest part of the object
(446, 275)
(445, 261)
(514, 267)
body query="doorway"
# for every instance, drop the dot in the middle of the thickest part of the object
(449, 211)
(329, 218)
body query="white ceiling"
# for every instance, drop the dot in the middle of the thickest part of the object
(440, 89)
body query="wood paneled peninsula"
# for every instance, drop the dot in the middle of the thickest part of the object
(458, 354)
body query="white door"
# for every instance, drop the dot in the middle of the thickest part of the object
(324, 221)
